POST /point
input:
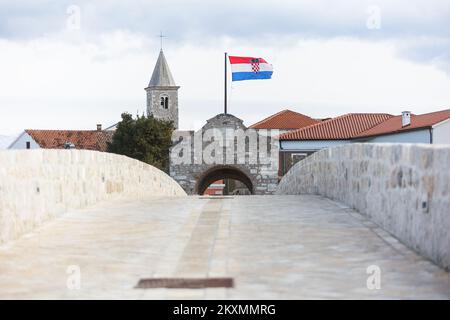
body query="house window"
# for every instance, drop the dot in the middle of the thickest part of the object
(69, 145)
(288, 159)
(296, 157)
(28, 144)
(165, 102)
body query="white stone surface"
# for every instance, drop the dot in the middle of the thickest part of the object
(404, 188)
(274, 247)
(37, 185)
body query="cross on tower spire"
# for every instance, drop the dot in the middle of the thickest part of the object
(161, 36)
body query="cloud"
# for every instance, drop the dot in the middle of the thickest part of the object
(237, 19)
(75, 82)
(261, 22)
(327, 61)
(429, 50)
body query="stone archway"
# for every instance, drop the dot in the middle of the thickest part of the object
(194, 172)
(222, 172)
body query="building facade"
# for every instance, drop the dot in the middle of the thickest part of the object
(162, 93)
(198, 159)
(429, 128)
(63, 139)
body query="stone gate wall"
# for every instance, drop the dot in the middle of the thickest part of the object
(38, 185)
(263, 172)
(404, 188)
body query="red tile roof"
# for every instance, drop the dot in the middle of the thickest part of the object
(343, 127)
(394, 124)
(82, 139)
(285, 119)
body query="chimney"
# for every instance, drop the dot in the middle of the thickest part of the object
(406, 118)
(99, 127)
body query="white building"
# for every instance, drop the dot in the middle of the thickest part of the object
(409, 128)
(64, 139)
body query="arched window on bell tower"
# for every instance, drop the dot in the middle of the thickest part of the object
(164, 101)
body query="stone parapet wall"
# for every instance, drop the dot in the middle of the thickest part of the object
(38, 185)
(404, 188)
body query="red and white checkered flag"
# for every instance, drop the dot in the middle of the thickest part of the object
(255, 65)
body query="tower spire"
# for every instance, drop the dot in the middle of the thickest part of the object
(161, 76)
(162, 92)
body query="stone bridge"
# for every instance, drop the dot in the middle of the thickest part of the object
(110, 221)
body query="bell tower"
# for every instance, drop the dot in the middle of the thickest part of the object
(162, 93)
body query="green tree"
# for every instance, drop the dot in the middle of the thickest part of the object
(145, 138)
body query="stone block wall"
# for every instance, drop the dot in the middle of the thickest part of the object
(404, 188)
(187, 157)
(38, 185)
(154, 103)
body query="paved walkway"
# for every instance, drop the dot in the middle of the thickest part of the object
(291, 247)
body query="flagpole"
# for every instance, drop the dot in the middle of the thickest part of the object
(225, 86)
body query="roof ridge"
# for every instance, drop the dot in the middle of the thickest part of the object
(308, 126)
(419, 121)
(273, 116)
(377, 124)
(74, 130)
(429, 113)
(363, 113)
(335, 119)
(82, 139)
(312, 125)
(270, 117)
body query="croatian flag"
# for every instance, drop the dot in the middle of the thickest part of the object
(249, 68)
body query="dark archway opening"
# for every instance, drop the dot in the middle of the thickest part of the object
(222, 173)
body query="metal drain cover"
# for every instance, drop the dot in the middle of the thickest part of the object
(215, 197)
(185, 283)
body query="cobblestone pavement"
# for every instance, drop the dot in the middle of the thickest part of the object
(275, 247)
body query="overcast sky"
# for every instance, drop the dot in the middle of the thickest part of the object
(73, 64)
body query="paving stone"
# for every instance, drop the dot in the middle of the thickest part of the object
(274, 247)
